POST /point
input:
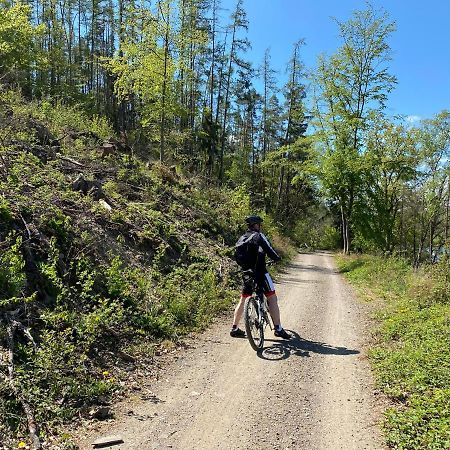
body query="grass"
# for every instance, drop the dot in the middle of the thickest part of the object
(411, 357)
(91, 284)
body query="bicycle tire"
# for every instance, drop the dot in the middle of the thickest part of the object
(254, 326)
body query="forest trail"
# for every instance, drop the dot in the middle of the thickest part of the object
(314, 392)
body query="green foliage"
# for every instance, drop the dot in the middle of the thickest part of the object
(310, 233)
(329, 239)
(12, 275)
(433, 288)
(59, 377)
(61, 119)
(426, 425)
(191, 297)
(234, 207)
(50, 273)
(411, 358)
(17, 37)
(354, 84)
(146, 68)
(58, 224)
(386, 277)
(5, 210)
(390, 164)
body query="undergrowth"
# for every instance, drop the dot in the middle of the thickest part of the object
(411, 358)
(82, 284)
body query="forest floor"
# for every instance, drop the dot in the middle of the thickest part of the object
(314, 392)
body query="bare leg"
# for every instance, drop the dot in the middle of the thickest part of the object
(238, 311)
(272, 301)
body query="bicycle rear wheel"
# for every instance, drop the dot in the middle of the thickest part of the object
(253, 324)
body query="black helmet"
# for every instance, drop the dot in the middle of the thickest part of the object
(250, 220)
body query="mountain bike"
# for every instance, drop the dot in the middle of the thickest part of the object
(256, 318)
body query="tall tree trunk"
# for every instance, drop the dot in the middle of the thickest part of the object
(164, 87)
(447, 212)
(225, 108)
(93, 31)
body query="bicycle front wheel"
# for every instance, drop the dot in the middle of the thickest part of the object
(254, 324)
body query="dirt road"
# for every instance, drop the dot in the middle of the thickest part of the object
(314, 392)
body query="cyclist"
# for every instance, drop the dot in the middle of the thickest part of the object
(254, 271)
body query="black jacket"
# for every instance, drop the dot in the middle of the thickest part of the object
(259, 247)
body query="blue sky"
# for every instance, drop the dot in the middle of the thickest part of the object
(420, 46)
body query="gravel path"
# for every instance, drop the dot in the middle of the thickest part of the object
(314, 392)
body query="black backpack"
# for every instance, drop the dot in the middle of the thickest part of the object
(243, 254)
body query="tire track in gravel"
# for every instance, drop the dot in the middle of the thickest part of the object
(314, 392)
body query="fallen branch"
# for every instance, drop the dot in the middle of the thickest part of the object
(66, 158)
(25, 331)
(138, 188)
(32, 426)
(26, 226)
(4, 167)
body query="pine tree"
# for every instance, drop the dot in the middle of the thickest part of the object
(240, 22)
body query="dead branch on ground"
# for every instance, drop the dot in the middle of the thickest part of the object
(12, 326)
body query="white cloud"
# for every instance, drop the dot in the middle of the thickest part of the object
(413, 119)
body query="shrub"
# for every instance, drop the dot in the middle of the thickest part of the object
(5, 210)
(12, 264)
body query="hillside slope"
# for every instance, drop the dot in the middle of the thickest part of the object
(103, 254)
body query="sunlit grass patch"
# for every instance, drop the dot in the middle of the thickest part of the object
(411, 358)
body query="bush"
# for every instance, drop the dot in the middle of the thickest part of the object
(433, 287)
(330, 238)
(12, 274)
(190, 297)
(5, 210)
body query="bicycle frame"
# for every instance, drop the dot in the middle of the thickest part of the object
(257, 317)
(264, 309)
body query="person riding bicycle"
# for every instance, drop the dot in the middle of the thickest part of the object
(255, 246)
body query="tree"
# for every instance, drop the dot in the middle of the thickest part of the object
(18, 50)
(267, 75)
(353, 85)
(244, 159)
(240, 21)
(295, 128)
(389, 165)
(146, 68)
(191, 45)
(432, 188)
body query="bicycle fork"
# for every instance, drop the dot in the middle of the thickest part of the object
(264, 312)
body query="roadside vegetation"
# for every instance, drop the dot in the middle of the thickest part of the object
(134, 139)
(411, 355)
(97, 271)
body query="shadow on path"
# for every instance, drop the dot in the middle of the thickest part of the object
(311, 268)
(297, 281)
(298, 346)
